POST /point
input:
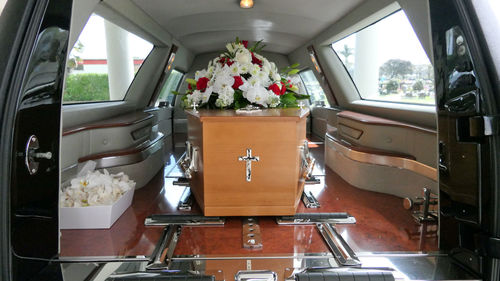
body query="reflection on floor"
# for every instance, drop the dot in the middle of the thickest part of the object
(382, 223)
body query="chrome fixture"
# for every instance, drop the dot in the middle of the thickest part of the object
(256, 275)
(309, 200)
(164, 251)
(248, 159)
(190, 162)
(186, 200)
(314, 218)
(251, 233)
(184, 220)
(30, 155)
(424, 214)
(308, 161)
(342, 252)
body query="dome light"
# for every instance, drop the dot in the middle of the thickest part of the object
(246, 4)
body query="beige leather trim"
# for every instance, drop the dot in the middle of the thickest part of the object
(384, 160)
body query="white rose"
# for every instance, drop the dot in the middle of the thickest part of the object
(243, 57)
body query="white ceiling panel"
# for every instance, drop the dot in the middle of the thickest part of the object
(207, 25)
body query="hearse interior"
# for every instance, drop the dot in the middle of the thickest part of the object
(395, 146)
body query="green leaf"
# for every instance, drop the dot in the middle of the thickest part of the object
(302, 97)
(177, 93)
(293, 72)
(288, 100)
(191, 81)
(295, 65)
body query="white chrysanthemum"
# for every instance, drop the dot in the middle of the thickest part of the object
(194, 98)
(205, 96)
(272, 99)
(226, 96)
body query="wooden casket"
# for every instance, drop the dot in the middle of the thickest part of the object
(247, 164)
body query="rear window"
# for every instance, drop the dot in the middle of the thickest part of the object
(387, 62)
(316, 94)
(172, 84)
(103, 62)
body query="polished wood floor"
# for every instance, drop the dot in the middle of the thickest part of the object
(382, 223)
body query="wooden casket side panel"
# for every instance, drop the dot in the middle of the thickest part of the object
(274, 184)
(300, 138)
(195, 136)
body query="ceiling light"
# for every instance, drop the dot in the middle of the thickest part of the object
(246, 4)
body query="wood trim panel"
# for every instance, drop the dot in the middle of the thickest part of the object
(381, 159)
(372, 120)
(124, 152)
(370, 150)
(119, 121)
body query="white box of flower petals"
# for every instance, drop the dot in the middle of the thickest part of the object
(94, 199)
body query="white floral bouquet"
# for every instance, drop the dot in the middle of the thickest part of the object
(95, 189)
(241, 77)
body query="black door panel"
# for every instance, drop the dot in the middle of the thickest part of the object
(30, 95)
(466, 132)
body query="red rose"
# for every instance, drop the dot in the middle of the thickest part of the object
(245, 43)
(283, 88)
(189, 87)
(276, 89)
(201, 84)
(229, 62)
(237, 82)
(255, 60)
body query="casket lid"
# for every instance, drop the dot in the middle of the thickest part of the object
(283, 113)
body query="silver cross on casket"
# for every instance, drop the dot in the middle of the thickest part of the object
(249, 158)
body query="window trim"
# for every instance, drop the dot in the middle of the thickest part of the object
(352, 80)
(131, 82)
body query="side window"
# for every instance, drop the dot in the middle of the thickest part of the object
(103, 62)
(172, 84)
(387, 62)
(313, 88)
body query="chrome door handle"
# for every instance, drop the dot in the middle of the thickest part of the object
(30, 155)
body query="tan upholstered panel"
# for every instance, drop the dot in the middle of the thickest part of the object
(407, 140)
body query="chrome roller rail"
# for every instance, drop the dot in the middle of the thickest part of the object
(187, 220)
(309, 200)
(162, 256)
(314, 218)
(342, 252)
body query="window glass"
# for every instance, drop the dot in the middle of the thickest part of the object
(103, 62)
(387, 62)
(313, 88)
(172, 84)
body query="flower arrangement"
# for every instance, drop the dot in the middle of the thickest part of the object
(241, 77)
(95, 189)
